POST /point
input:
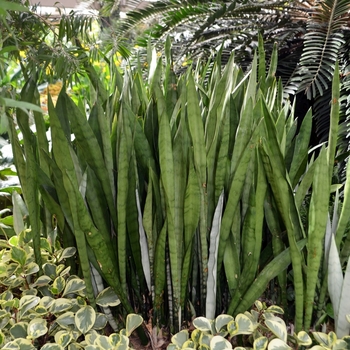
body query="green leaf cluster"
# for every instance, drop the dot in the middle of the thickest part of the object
(261, 328)
(50, 311)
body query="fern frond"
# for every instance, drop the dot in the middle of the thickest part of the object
(322, 44)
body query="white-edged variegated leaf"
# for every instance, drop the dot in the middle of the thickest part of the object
(26, 303)
(114, 339)
(278, 328)
(335, 278)
(340, 344)
(52, 346)
(46, 301)
(132, 322)
(75, 346)
(58, 285)
(22, 344)
(172, 347)
(101, 321)
(321, 338)
(107, 298)
(212, 260)
(63, 338)
(260, 343)
(31, 268)
(304, 339)
(67, 253)
(19, 330)
(205, 339)
(66, 320)
(343, 326)
(332, 338)
(92, 347)
(91, 337)
(74, 285)
(245, 325)
(103, 342)
(85, 318)
(219, 343)
(202, 324)
(221, 321)
(42, 281)
(232, 328)
(36, 328)
(278, 344)
(179, 338)
(259, 305)
(275, 309)
(60, 305)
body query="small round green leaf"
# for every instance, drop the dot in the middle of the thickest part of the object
(58, 285)
(260, 343)
(2, 338)
(179, 338)
(304, 339)
(66, 320)
(19, 330)
(26, 303)
(278, 328)
(60, 305)
(42, 281)
(52, 346)
(31, 268)
(221, 321)
(278, 344)
(103, 342)
(100, 322)
(275, 309)
(245, 325)
(50, 270)
(233, 328)
(91, 336)
(63, 338)
(321, 338)
(132, 322)
(18, 255)
(219, 343)
(67, 253)
(85, 318)
(4, 318)
(36, 328)
(107, 298)
(114, 339)
(44, 244)
(202, 324)
(22, 344)
(73, 286)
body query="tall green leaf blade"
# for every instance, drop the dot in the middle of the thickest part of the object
(276, 266)
(318, 213)
(90, 148)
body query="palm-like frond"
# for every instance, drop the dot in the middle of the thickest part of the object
(322, 43)
(198, 28)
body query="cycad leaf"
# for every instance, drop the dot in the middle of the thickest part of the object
(322, 44)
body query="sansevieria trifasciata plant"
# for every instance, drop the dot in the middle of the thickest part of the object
(183, 192)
